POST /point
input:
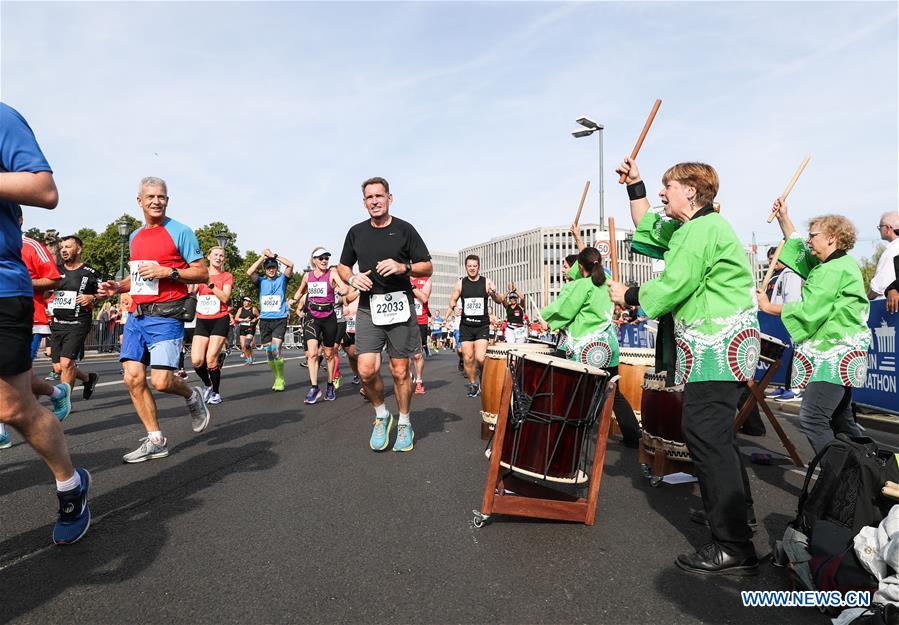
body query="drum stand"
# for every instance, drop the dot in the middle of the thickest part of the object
(536, 500)
(757, 396)
(655, 461)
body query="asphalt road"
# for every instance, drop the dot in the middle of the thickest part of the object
(280, 513)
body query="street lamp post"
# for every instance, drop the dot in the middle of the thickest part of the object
(122, 227)
(223, 238)
(590, 127)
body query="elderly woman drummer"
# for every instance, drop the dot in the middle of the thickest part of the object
(708, 287)
(828, 325)
(583, 312)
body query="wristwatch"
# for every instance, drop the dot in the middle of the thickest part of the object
(211, 285)
(408, 267)
(175, 274)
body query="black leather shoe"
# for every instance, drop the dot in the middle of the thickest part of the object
(699, 516)
(712, 560)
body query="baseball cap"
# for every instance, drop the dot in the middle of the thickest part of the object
(269, 262)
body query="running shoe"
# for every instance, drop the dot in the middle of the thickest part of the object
(419, 388)
(380, 433)
(474, 390)
(214, 398)
(313, 395)
(404, 436)
(51, 376)
(790, 396)
(207, 391)
(330, 394)
(148, 450)
(304, 363)
(74, 515)
(90, 385)
(5, 443)
(776, 393)
(62, 406)
(199, 413)
(356, 379)
(336, 382)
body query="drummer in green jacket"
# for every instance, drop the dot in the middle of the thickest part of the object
(583, 313)
(829, 324)
(708, 288)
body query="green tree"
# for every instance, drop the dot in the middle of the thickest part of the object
(36, 234)
(102, 251)
(869, 265)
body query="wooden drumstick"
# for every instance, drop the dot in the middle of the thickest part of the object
(577, 218)
(613, 249)
(789, 188)
(770, 271)
(652, 116)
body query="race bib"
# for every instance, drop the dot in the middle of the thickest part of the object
(139, 286)
(208, 304)
(419, 308)
(270, 303)
(64, 300)
(317, 289)
(389, 308)
(473, 306)
(351, 324)
(338, 312)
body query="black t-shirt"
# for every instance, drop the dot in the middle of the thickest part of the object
(75, 282)
(515, 315)
(474, 301)
(367, 246)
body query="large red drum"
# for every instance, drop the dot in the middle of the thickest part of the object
(556, 402)
(661, 417)
(495, 366)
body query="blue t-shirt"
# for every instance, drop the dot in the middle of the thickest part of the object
(19, 151)
(273, 297)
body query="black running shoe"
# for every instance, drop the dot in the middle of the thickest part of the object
(90, 384)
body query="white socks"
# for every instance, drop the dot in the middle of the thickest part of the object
(70, 484)
(381, 411)
(404, 419)
(156, 438)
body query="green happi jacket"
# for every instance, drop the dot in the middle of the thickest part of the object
(708, 287)
(830, 324)
(583, 312)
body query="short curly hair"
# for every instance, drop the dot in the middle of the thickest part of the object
(700, 176)
(838, 227)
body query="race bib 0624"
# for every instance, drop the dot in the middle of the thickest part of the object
(270, 303)
(389, 308)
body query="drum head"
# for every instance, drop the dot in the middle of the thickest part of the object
(772, 339)
(560, 363)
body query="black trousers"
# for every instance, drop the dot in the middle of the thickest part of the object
(708, 420)
(627, 420)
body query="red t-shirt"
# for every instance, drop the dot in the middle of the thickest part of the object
(40, 264)
(206, 300)
(171, 244)
(419, 283)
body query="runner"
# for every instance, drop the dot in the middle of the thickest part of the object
(73, 306)
(213, 323)
(164, 257)
(350, 306)
(516, 319)
(319, 286)
(437, 332)
(273, 304)
(474, 329)
(44, 277)
(421, 290)
(389, 251)
(454, 321)
(247, 317)
(341, 336)
(26, 178)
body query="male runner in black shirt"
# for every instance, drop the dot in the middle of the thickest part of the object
(73, 305)
(388, 251)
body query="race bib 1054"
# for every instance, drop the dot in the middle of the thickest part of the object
(64, 300)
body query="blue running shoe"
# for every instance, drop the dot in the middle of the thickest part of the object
(404, 436)
(789, 396)
(776, 393)
(380, 433)
(62, 406)
(330, 395)
(74, 513)
(5, 443)
(313, 395)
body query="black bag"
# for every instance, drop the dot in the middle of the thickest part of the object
(847, 491)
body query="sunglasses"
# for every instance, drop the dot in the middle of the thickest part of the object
(323, 257)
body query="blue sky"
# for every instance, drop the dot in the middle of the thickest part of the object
(268, 115)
